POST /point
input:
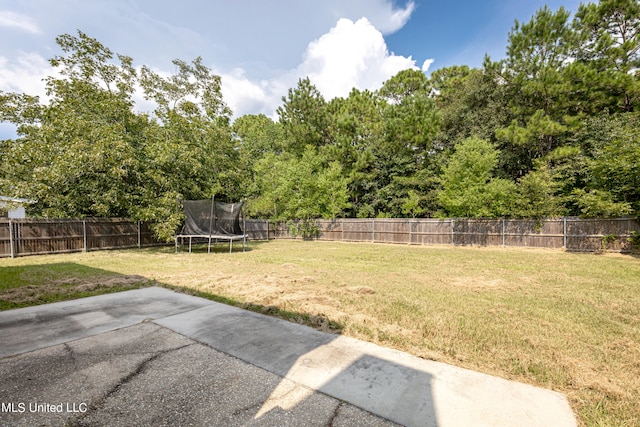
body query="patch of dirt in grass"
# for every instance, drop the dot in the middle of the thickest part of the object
(361, 318)
(314, 304)
(586, 376)
(89, 284)
(361, 290)
(271, 290)
(281, 292)
(34, 293)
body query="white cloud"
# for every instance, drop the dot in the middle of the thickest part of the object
(350, 55)
(397, 18)
(383, 14)
(427, 64)
(16, 20)
(242, 95)
(245, 96)
(25, 74)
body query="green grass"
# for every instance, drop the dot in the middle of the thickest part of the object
(568, 322)
(25, 284)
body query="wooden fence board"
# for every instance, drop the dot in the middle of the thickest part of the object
(258, 229)
(329, 230)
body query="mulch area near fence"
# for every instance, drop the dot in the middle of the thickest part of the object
(46, 236)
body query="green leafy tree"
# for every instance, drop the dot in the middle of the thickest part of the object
(256, 137)
(536, 55)
(472, 102)
(303, 116)
(568, 168)
(468, 186)
(537, 195)
(609, 53)
(600, 204)
(357, 127)
(404, 84)
(189, 152)
(614, 161)
(86, 153)
(79, 155)
(302, 188)
(404, 157)
(412, 204)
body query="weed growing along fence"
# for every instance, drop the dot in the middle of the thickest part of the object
(572, 234)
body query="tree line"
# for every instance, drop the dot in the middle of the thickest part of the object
(553, 129)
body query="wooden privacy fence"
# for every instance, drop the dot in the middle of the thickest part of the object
(572, 234)
(48, 236)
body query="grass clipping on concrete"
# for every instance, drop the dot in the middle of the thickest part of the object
(563, 321)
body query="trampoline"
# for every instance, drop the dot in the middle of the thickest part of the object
(211, 221)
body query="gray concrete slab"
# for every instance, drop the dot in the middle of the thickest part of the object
(41, 326)
(395, 385)
(253, 367)
(147, 375)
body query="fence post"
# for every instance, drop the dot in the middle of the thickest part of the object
(453, 222)
(267, 230)
(342, 230)
(84, 235)
(503, 232)
(139, 236)
(11, 238)
(373, 230)
(564, 233)
(410, 232)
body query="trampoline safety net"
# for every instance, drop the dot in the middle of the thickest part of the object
(209, 219)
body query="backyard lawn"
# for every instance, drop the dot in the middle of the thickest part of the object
(564, 321)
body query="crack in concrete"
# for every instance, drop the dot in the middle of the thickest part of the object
(247, 408)
(72, 355)
(94, 406)
(335, 413)
(74, 360)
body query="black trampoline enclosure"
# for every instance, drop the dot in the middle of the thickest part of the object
(212, 221)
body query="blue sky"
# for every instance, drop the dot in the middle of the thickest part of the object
(259, 47)
(461, 32)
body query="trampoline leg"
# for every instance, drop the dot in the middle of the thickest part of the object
(230, 245)
(209, 249)
(189, 244)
